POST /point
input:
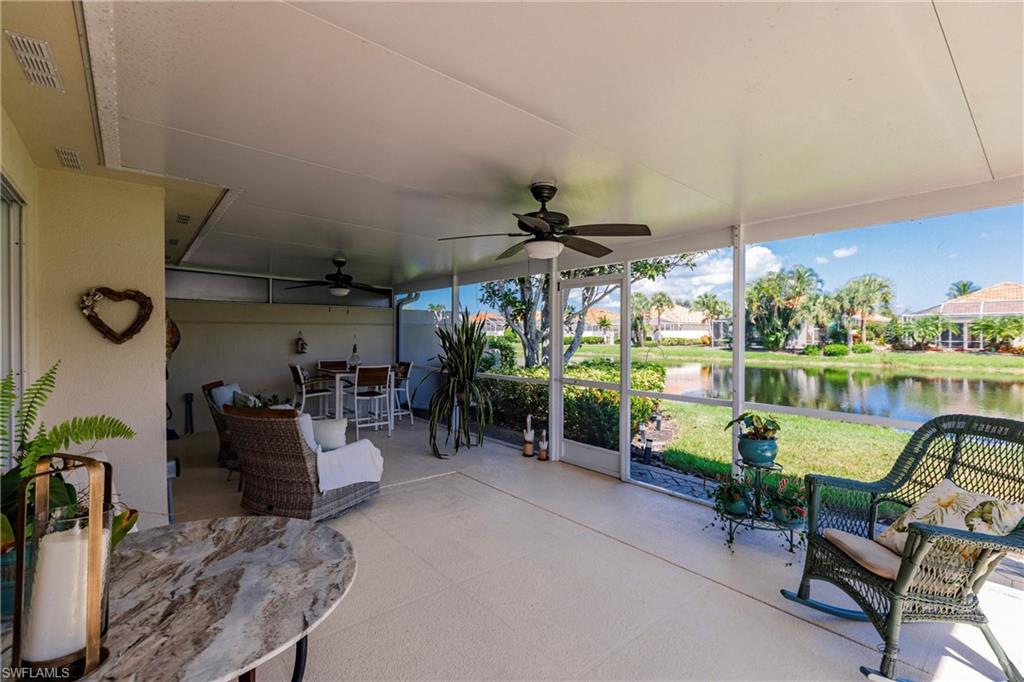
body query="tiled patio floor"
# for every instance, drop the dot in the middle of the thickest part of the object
(492, 566)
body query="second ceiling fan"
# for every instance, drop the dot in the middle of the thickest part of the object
(550, 230)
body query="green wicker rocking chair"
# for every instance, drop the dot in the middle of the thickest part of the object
(942, 569)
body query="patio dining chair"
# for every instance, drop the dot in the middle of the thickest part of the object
(306, 388)
(372, 387)
(941, 570)
(403, 370)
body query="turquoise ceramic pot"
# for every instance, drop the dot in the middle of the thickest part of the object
(784, 517)
(758, 452)
(738, 508)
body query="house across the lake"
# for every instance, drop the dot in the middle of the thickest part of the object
(998, 300)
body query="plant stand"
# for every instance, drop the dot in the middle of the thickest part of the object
(757, 516)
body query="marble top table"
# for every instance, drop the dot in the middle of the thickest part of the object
(211, 600)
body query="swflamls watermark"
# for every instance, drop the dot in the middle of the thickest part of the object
(52, 673)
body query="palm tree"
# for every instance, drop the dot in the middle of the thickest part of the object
(961, 287)
(605, 325)
(641, 305)
(866, 296)
(712, 307)
(438, 309)
(924, 330)
(773, 302)
(819, 310)
(661, 302)
(999, 332)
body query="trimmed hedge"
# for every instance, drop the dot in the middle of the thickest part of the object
(584, 340)
(591, 414)
(836, 350)
(812, 350)
(862, 348)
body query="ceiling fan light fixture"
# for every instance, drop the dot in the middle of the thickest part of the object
(339, 291)
(543, 249)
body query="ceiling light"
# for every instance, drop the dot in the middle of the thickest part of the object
(543, 249)
(339, 291)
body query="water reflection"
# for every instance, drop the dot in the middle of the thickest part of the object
(861, 391)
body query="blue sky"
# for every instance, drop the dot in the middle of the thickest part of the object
(921, 257)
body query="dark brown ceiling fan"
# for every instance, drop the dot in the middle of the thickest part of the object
(340, 284)
(550, 230)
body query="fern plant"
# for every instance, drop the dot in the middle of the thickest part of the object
(25, 444)
(462, 398)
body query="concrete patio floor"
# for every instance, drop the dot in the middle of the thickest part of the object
(492, 566)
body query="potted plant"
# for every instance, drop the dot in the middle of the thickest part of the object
(732, 497)
(24, 445)
(757, 444)
(462, 398)
(788, 503)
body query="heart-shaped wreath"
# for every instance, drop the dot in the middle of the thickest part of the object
(96, 295)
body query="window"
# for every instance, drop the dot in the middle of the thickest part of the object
(838, 322)
(10, 288)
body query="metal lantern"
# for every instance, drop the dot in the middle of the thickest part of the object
(58, 606)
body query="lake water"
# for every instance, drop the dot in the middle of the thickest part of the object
(861, 391)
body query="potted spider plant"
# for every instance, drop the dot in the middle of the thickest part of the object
(757, 443)
(461, 400)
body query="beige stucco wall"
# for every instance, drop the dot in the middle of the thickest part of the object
(96, 232)
(253, 344)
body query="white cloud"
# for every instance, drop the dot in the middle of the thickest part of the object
(711, 272)
(820, 260)
(845, 252)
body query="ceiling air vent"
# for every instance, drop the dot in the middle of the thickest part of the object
(36, 60)
(70, 159)
(184, 219)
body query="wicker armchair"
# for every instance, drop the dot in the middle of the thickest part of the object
(226, 456)
(941, 570)
(280, 468)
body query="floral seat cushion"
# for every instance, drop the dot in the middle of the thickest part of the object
(950, 506)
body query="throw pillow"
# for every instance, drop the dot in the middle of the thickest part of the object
(330, 433)
(950, 506)
(245, 400)
(306, 430)
(224, 395)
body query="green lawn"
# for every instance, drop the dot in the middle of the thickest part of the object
(921, 363)
(806, 445)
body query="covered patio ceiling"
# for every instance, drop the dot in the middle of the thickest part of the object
(374, 129)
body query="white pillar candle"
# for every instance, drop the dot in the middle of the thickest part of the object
(56, 613)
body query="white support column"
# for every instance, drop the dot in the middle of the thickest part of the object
(739, 328)
(555, 415)
(625, 435)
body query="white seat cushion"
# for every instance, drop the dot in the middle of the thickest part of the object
(868, 553)
(330, 433)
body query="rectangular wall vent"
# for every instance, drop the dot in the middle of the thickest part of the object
(184, 219)
(173, 242)
(36, 60)
(70, 159)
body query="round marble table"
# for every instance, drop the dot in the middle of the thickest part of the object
(211, 600)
